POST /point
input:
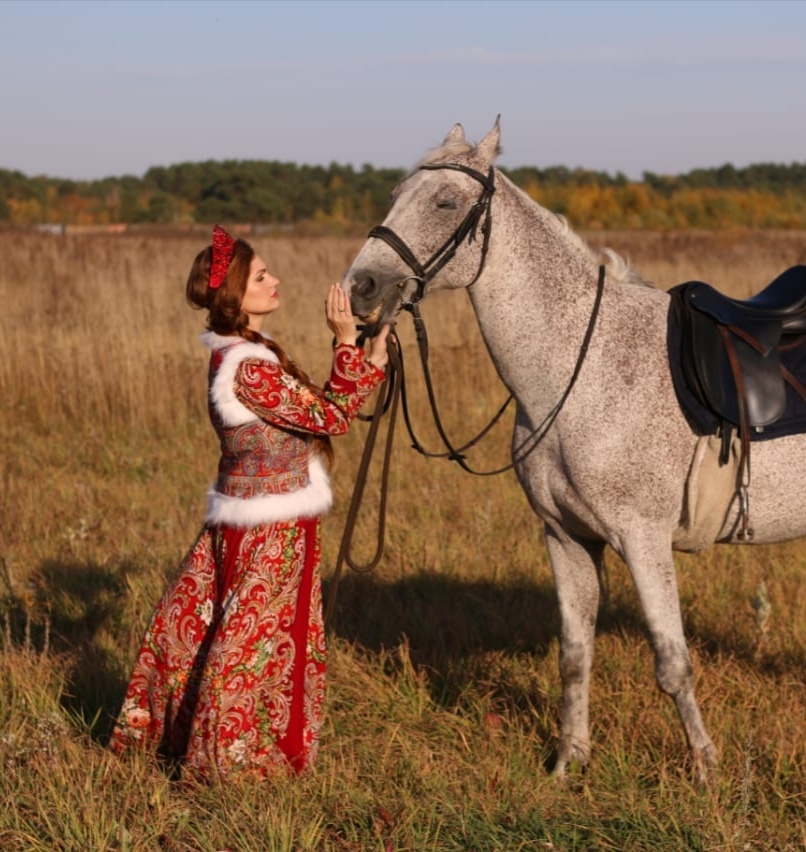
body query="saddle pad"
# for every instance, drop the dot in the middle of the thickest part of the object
(710, 489)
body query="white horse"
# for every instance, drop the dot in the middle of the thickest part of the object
(613, 464)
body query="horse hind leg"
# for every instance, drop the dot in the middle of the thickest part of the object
(576, 566)
(652, 567)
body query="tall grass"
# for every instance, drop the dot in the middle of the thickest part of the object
(443, 684)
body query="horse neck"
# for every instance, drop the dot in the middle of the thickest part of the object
(535, 296)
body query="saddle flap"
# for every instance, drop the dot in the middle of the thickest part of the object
(764, 389)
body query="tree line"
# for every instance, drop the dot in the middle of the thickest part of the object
(339, 198)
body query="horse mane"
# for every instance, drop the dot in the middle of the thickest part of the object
(619, 269)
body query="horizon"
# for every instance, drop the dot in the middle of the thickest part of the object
(359, 169)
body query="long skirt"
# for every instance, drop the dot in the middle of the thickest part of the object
(230, 676)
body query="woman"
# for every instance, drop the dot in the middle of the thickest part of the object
(230, 675)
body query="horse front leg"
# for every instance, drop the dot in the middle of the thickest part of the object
(651, 564)
(576, 565)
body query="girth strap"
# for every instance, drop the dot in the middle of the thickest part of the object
(743, 475)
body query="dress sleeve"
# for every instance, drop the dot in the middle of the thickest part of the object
(277, 397)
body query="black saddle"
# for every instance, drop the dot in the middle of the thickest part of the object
(731, 349)
(736, 366)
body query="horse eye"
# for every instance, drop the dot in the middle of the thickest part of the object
(446, 204)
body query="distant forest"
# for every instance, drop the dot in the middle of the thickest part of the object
(341, 199)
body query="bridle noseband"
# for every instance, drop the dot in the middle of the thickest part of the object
(422, 273)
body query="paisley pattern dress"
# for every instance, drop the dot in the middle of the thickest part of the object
(230, 675)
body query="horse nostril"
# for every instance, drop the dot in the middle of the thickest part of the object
(368, 287)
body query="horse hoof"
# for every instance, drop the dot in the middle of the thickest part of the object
(705, 762)
(571, 762)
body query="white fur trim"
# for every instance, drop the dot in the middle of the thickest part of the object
(311, 501)
(222, 393)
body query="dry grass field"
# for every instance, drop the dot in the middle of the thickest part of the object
(443, 678)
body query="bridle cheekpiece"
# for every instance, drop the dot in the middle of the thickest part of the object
(422, 273)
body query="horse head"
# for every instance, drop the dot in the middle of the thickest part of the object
(435, 235)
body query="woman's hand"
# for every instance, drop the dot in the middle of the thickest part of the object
(340, 319)
(379, 348)
(341, 322)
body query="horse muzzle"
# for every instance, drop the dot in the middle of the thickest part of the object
(378, 304)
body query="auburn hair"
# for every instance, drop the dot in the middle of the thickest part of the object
(225, 316)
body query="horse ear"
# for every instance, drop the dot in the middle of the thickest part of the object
(489, 147)
(457, 134)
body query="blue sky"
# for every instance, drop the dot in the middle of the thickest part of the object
(91, 88)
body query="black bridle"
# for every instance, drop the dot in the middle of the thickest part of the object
(466, 230)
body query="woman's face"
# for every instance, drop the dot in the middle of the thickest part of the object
(261, 296)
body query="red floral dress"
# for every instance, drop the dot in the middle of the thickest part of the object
(231, 672)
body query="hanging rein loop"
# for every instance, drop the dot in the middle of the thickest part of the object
(451, 453)
(531, 443)
(386, 402)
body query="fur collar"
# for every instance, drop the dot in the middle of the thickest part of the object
(222, 394)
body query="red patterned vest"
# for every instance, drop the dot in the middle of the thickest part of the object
(266, 473)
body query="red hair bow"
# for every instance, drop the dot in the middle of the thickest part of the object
(223, 249)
